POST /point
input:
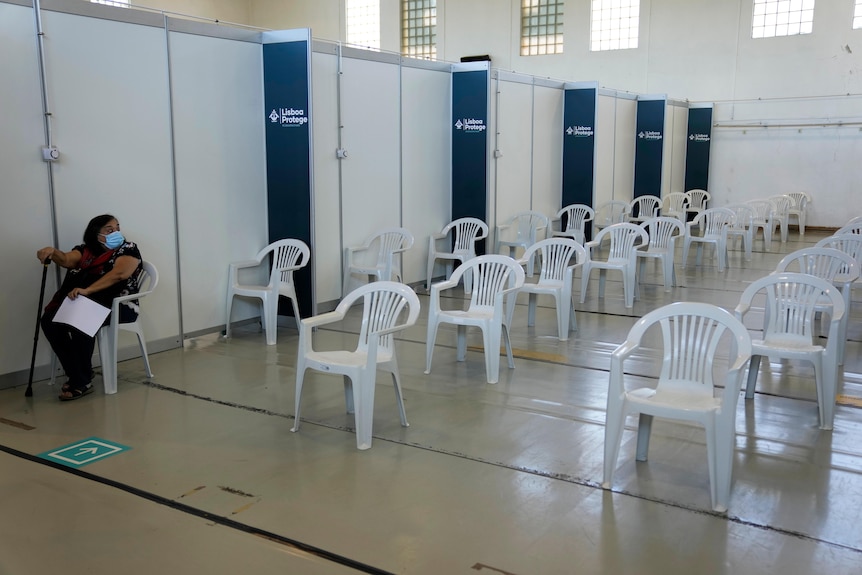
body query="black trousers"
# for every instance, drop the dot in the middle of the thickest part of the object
(73, 347)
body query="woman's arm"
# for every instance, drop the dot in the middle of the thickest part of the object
(62, 259)
(124, 267)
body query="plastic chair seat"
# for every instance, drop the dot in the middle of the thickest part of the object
(289, 255)
(383, 312)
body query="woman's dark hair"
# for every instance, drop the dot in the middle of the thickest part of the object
(91, 234)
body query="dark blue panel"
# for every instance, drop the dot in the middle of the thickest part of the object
(579, 148)
(470, 146)
(288, 146)
(697, 149)
(649, 147)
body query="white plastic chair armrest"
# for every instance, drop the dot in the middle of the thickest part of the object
(322, 319)
(741, 310)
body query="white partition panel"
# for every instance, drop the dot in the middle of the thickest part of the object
(426, 161)
(25, 217)
(220, 170)
(327, 204)
(605, 134)
(624, 147)
(109, 89)
(513, 139)
(548, 148)
(370, 175)
(676, 130)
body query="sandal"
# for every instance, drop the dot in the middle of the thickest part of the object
(68, 386)
(75, 392)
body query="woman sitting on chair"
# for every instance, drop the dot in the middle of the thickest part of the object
(105, 266)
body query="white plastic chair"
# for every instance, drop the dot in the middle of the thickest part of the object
(461, 247)
(521, 231)
(853, 226)
(383, 315)
(832, 265)
(625, 241)
(610, 213)
(713, 223)
(799, 209)
(108, 335)
(851, 245)
(643, 208)
(763, 211)
(792, 302)
(743, 216)
(697, 201)
(674, 204)
(288, 255)
(555, 280)
(662, 231)
(378, 256)
(781, 214)
(496, 281)
(691, 334)
(576, 218)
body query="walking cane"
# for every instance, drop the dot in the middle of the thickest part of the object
(29, 392)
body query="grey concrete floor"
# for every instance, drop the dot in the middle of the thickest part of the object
(500, 478)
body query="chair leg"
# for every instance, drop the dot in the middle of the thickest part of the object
(108, 355)
(396, 382)
(228, 309)
(430, 339)
(363, 395)
(300, 376)
(349, 394)
(430, 273)
(296, 315)
(143, 345)
(585, 281)
(461, 342)
(491, 341)
(564, 308)
(504, 331)
(753, 368)
(531, 309)
(644, 432)
(270, 324)
(614, 423)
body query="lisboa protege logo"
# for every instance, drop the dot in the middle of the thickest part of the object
(475, 125)
(579, 131)
(288, 117)
(698, 137)
(650, 135)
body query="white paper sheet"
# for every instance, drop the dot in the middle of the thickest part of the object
(82, 313)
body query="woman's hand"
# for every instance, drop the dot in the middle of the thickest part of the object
(78, 291)
(44, 254)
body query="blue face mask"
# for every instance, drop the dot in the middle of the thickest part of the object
(114, 239)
